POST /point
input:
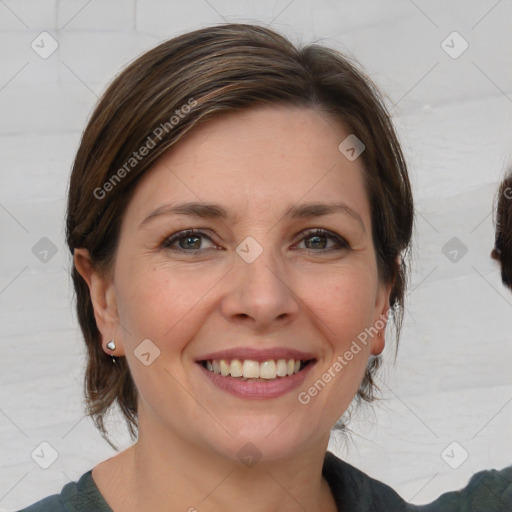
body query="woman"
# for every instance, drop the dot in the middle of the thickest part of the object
(239, 214)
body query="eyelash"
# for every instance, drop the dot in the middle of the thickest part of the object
(169, 241)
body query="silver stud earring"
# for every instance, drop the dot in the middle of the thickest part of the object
(112, 346)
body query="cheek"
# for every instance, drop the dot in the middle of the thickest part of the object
(166, 308)
(346, 312)
(346, 302)
(161, 304)
(346, 309)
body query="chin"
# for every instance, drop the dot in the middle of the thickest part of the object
(266, 442)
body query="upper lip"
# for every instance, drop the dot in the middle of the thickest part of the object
(259, 355)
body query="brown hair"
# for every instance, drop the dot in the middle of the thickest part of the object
(502, 251)
(185, 81)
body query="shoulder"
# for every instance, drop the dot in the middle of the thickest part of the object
(81, 496)
(354, 490)
(487, 491)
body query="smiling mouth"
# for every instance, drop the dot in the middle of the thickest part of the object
(254, 371)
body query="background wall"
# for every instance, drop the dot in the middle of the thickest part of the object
(450, 94)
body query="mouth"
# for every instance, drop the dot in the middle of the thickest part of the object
(250, 370)
(258, 374)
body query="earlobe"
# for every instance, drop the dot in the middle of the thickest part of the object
(378, 344)
(101, 290)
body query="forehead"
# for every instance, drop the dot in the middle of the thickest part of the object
(257, 160)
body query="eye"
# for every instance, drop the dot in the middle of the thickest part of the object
(189, 240)
(192, 241)
(319, 238)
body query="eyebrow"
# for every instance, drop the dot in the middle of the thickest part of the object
(216, 211)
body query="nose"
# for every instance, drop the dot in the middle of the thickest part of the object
(260, 293)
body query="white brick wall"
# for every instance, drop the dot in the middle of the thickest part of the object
(96, 16)
(454, 117)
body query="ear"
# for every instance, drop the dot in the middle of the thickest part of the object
(102, 292)
(380, 319)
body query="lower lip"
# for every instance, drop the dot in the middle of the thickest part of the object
(260, 389)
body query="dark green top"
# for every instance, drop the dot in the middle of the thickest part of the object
(487, 491)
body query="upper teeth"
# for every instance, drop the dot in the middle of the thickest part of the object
(250, 369)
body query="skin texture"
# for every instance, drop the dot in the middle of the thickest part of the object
(313, 295)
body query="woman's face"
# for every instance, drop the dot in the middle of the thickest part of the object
(253, 287)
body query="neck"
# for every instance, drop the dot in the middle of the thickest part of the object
(162, 471)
